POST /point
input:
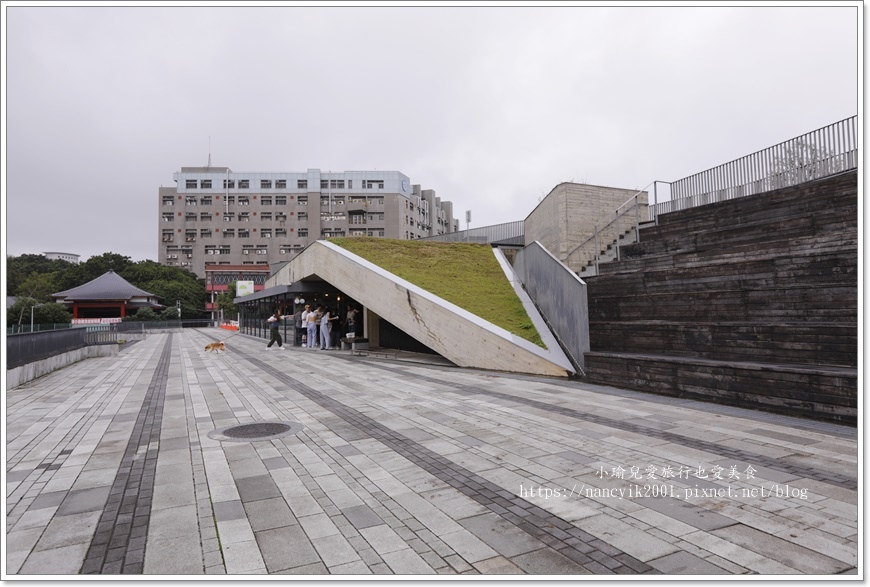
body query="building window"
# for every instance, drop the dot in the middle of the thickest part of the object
(244, 233)
(266, 200)
(302, 216)
(358, 219)
(190, 236)
(229, 184)
(244, 216)
(302, 201)
(302, 232)
(168, 217)
(190, 184)
(229, 233)
(205, 184)
(265, 184)
(280, 232)
(229, 216)
(190, 217)
(266, 232)
(224, 250)
(265, 216)
(370, 184)
(168, 236)
(190, 201)
(210, 249)
(280, 200)
(205, 233)
(168, 200)
(262, 250)
(205, 200)
(350, 184)
(281, 216)
(243, 200)
(281, 184)
(302, 184)
(244, 184)
(205, 216)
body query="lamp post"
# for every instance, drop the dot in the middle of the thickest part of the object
(31, 318)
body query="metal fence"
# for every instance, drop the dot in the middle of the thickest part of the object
(161, 325)
(19, 328)
(509, 233)
(35, 346)
(827, 151)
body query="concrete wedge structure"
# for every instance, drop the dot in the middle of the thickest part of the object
(458, 335)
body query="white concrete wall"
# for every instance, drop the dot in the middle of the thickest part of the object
(29, 372)
(454, 333)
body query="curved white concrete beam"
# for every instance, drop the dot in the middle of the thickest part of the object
(454, 333)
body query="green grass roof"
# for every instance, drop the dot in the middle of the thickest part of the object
(467, 275)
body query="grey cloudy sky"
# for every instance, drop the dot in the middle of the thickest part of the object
(490, 106)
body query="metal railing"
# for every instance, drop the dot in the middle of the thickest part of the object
(827, 151)
(610, 230)
(145, 325)
(22, 349)
(509, 233)
(19, 328)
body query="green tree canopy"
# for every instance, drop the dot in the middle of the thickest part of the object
(39, 286)
(20, 268)
(48, 313)
(36, 277)
(225, 302)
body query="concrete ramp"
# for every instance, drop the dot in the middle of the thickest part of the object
(456, 334)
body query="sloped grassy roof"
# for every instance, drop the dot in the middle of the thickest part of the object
(467, 275)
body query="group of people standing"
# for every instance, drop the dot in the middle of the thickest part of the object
(320, 326)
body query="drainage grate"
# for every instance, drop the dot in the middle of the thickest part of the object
(255, 431)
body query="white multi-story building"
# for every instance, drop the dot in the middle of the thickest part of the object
(70, 257)
(214, 216)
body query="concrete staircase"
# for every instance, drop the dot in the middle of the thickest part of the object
(751, 302)
(611, 251)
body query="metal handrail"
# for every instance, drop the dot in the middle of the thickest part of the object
(823, 152)
(632, 203)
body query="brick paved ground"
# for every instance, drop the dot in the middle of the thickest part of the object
(113, 466)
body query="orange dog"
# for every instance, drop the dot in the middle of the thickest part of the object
(215, 347)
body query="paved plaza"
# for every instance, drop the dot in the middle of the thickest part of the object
(128, 465)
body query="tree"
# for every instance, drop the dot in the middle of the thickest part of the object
(170, 285)
(142, 315)
(16, 312)
(94, 267)
(225, 302)
(50, 313)
(801, 161)
(39, 286)
(20, 268)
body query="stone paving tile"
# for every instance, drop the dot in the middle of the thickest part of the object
(267, 514)
(789, 553)
(684, 563)
(422, 465)
(407, 562)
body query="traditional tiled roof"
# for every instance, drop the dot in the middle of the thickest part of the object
(108, 286)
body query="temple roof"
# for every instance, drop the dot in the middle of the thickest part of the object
(108, 286)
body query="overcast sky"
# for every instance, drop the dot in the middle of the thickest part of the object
(490, 107)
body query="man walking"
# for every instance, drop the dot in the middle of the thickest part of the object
(274, 330)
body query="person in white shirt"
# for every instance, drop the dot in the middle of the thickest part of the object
(305, 325)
